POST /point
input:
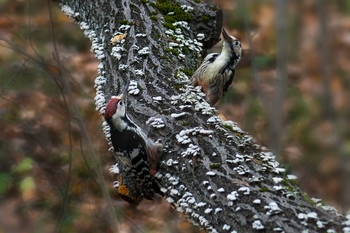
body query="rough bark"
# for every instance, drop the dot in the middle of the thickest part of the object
(210, 170)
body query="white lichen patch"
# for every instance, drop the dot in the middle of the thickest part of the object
(221, 190)
(184, 136)
(257, 201)
(187, 8)
(181, 40)
(192, 150)
(124, 27)
(226, 227)
(139, 73)
(312, 215)
(163, 190)
(169, 162)
(67, 11)
(123, 66)
(232, 196)
(208, 211)
(257, 225)
(277, 179)
(210, 173)
(292, 177)
(272, 208)
(116, 52)
(302, 216)
(320, 224)
(140, 35)
(144, 51)
(200, 204)
(157, 99)
(178, 115)
(200, 36)
(170, 200)
(132, 89)
(217, 210)
(205, 182)
(245, 190)
(174, 192)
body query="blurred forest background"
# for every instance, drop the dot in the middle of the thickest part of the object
(291, 93)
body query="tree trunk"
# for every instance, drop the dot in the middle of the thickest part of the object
(210, 170)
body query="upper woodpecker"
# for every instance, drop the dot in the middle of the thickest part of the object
(138, 154)
(217, 70)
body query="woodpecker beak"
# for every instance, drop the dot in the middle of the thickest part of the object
(125, 91)
(226, 36)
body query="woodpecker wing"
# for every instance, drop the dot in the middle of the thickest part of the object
(197, 77)
(223, 79)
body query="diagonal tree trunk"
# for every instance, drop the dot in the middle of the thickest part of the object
(210, 170)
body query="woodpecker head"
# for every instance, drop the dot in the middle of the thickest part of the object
(232, 44)
(116, 106)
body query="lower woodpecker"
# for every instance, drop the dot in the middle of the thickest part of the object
(138, 154)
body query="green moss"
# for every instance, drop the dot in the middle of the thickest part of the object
(154, 13)
(173, 51)
(166, 6)
(289, 188)
(124, 22)
(185, 123)
(185, 50)
(131, 23)
(214, 166)
(205, 18)
(187, 72)
(177, 87)
(264, 189)
(133, 63)
(169, 25)
(144, 1)
(197, 1)
(135, 8)
(165, 58)
(308, 199)
(153, 17)
(220, 141)
(229, 127)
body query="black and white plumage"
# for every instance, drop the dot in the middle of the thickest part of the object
(217, 70)
(138, 154)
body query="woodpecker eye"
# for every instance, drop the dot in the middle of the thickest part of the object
(236, 43)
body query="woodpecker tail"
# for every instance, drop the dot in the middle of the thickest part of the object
(154, 153)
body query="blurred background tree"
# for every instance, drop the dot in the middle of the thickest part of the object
(291, 93)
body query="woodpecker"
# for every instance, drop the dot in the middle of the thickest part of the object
(138, 154)
(217, 70)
